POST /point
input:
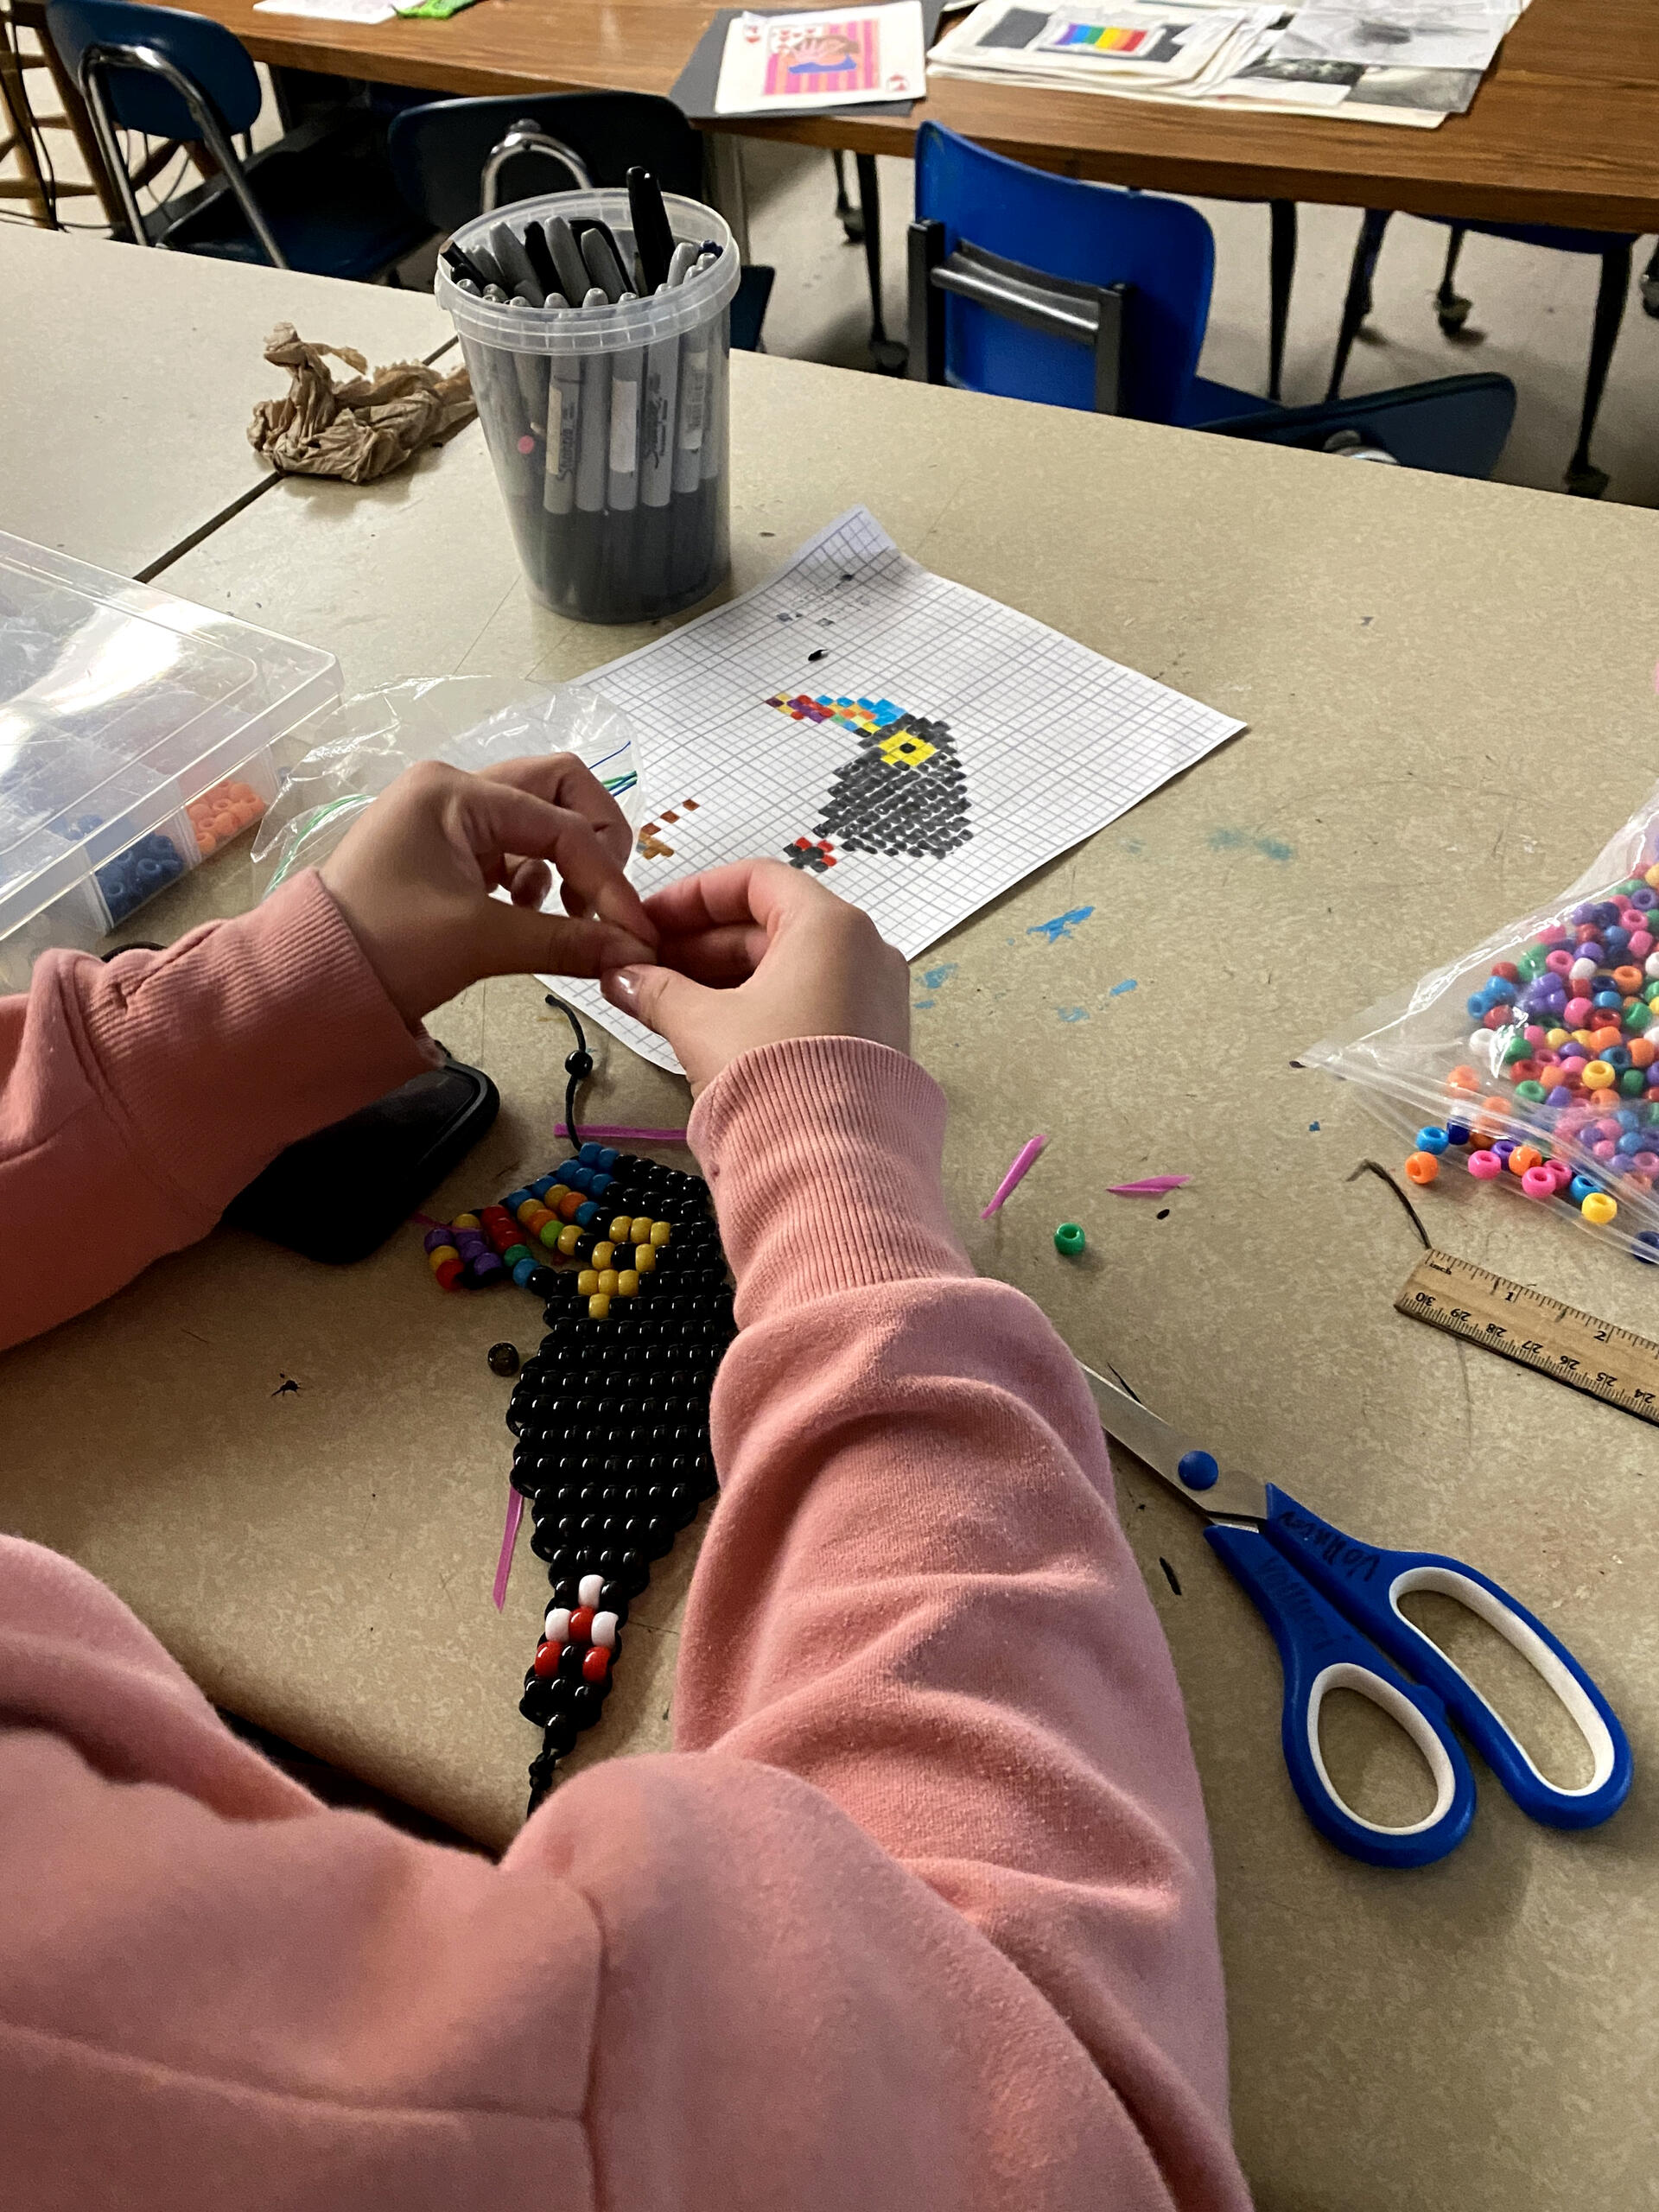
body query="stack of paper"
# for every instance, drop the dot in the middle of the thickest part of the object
(1138, 48)
(1406, 61)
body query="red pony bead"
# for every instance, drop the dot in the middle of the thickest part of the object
(547, 1660)
(596, 1665)
(580, 1622)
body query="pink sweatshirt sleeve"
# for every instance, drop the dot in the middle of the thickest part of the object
(916, 1920)
(170, 1078)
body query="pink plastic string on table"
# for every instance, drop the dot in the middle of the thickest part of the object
(1151, 1187)
(1024, 1161)
(509, 1538)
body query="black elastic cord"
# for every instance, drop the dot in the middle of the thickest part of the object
(1374, 1167)
(578, 1066)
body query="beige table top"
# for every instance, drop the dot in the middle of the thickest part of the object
(128, 378)
(1411, 655)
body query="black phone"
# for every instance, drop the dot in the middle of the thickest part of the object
(338, 1195)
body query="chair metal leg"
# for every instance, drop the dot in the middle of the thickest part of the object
(1450, 308)
(889, 356)
(1583, 477)
(852, 218)
(1358, 305)
(1282, 268)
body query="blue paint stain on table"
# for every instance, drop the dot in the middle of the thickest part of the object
(1241, 840)
(1072, 1012)
(1061, 926)
(1118, 989)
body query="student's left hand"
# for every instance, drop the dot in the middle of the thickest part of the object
(413, 878)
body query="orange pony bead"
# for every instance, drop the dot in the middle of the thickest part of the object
(1422, 1167)
(1628, 980)
(1642, 1051)
(567, 1206)
(1463, 1079)
(1524, 1156)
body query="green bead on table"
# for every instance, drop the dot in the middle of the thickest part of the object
(1069, 1240)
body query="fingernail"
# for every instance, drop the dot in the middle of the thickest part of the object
(621, 986)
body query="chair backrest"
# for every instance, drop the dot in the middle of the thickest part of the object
(438, 151)
(1455, 426)
(1160, 249)
(213, 57)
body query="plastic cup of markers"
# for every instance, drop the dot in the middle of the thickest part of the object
(608, 426)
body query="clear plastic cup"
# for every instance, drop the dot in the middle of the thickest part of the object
(608, 426)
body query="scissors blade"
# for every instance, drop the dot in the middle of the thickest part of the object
(1232, 1496)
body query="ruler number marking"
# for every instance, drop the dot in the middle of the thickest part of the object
(1544, 1352)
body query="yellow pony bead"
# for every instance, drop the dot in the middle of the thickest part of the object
(1556, 1038)
(606, 1280)
(598, 1306)
(1599, 1208)
(603, 1255)
(587, 1282)
(439, 1253)
(627, 1282)
(660, 1233)
(639, 1231)
(645, 1259)
(1598, 1076)
(530, 1206)
(618, 1231)
(465, 1221)
(570, 1237)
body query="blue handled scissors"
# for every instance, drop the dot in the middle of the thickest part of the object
(1333, 1606)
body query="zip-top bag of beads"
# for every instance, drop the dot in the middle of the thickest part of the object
(1532, 1063)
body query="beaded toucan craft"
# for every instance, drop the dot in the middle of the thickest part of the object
(611, 1414)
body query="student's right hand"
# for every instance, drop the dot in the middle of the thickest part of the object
(756, 953)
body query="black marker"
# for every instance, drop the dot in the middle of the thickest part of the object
(461, 266)
(536, 252)
(604, 264)
(653, 239)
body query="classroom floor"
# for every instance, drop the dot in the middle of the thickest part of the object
(1531, 316)
(1532, 307)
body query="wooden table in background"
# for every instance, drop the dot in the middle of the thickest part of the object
(1565, 130)
(1406, 650)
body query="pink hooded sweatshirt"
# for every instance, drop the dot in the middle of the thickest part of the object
(917, 1917)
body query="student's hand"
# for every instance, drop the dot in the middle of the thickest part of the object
(414, 873)
(757, 952)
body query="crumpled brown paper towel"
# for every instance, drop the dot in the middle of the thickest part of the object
(360, 429)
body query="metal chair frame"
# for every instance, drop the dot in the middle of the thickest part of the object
(528, 137)
(95, 63)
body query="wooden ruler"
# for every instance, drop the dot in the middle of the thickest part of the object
(1525, 1324)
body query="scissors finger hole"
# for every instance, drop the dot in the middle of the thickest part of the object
(1529, 1705)
(1373, 1774)
(1371, 1764)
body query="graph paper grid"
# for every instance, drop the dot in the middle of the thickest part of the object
(1054, 741)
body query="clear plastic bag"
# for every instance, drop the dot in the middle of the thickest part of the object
(363, 744)
(1536, 1048)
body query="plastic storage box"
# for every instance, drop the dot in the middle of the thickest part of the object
(136, 736)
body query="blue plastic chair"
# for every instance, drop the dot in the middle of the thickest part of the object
(322, 199)
(453, 158)
(1612, 248)
(1113, 319)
